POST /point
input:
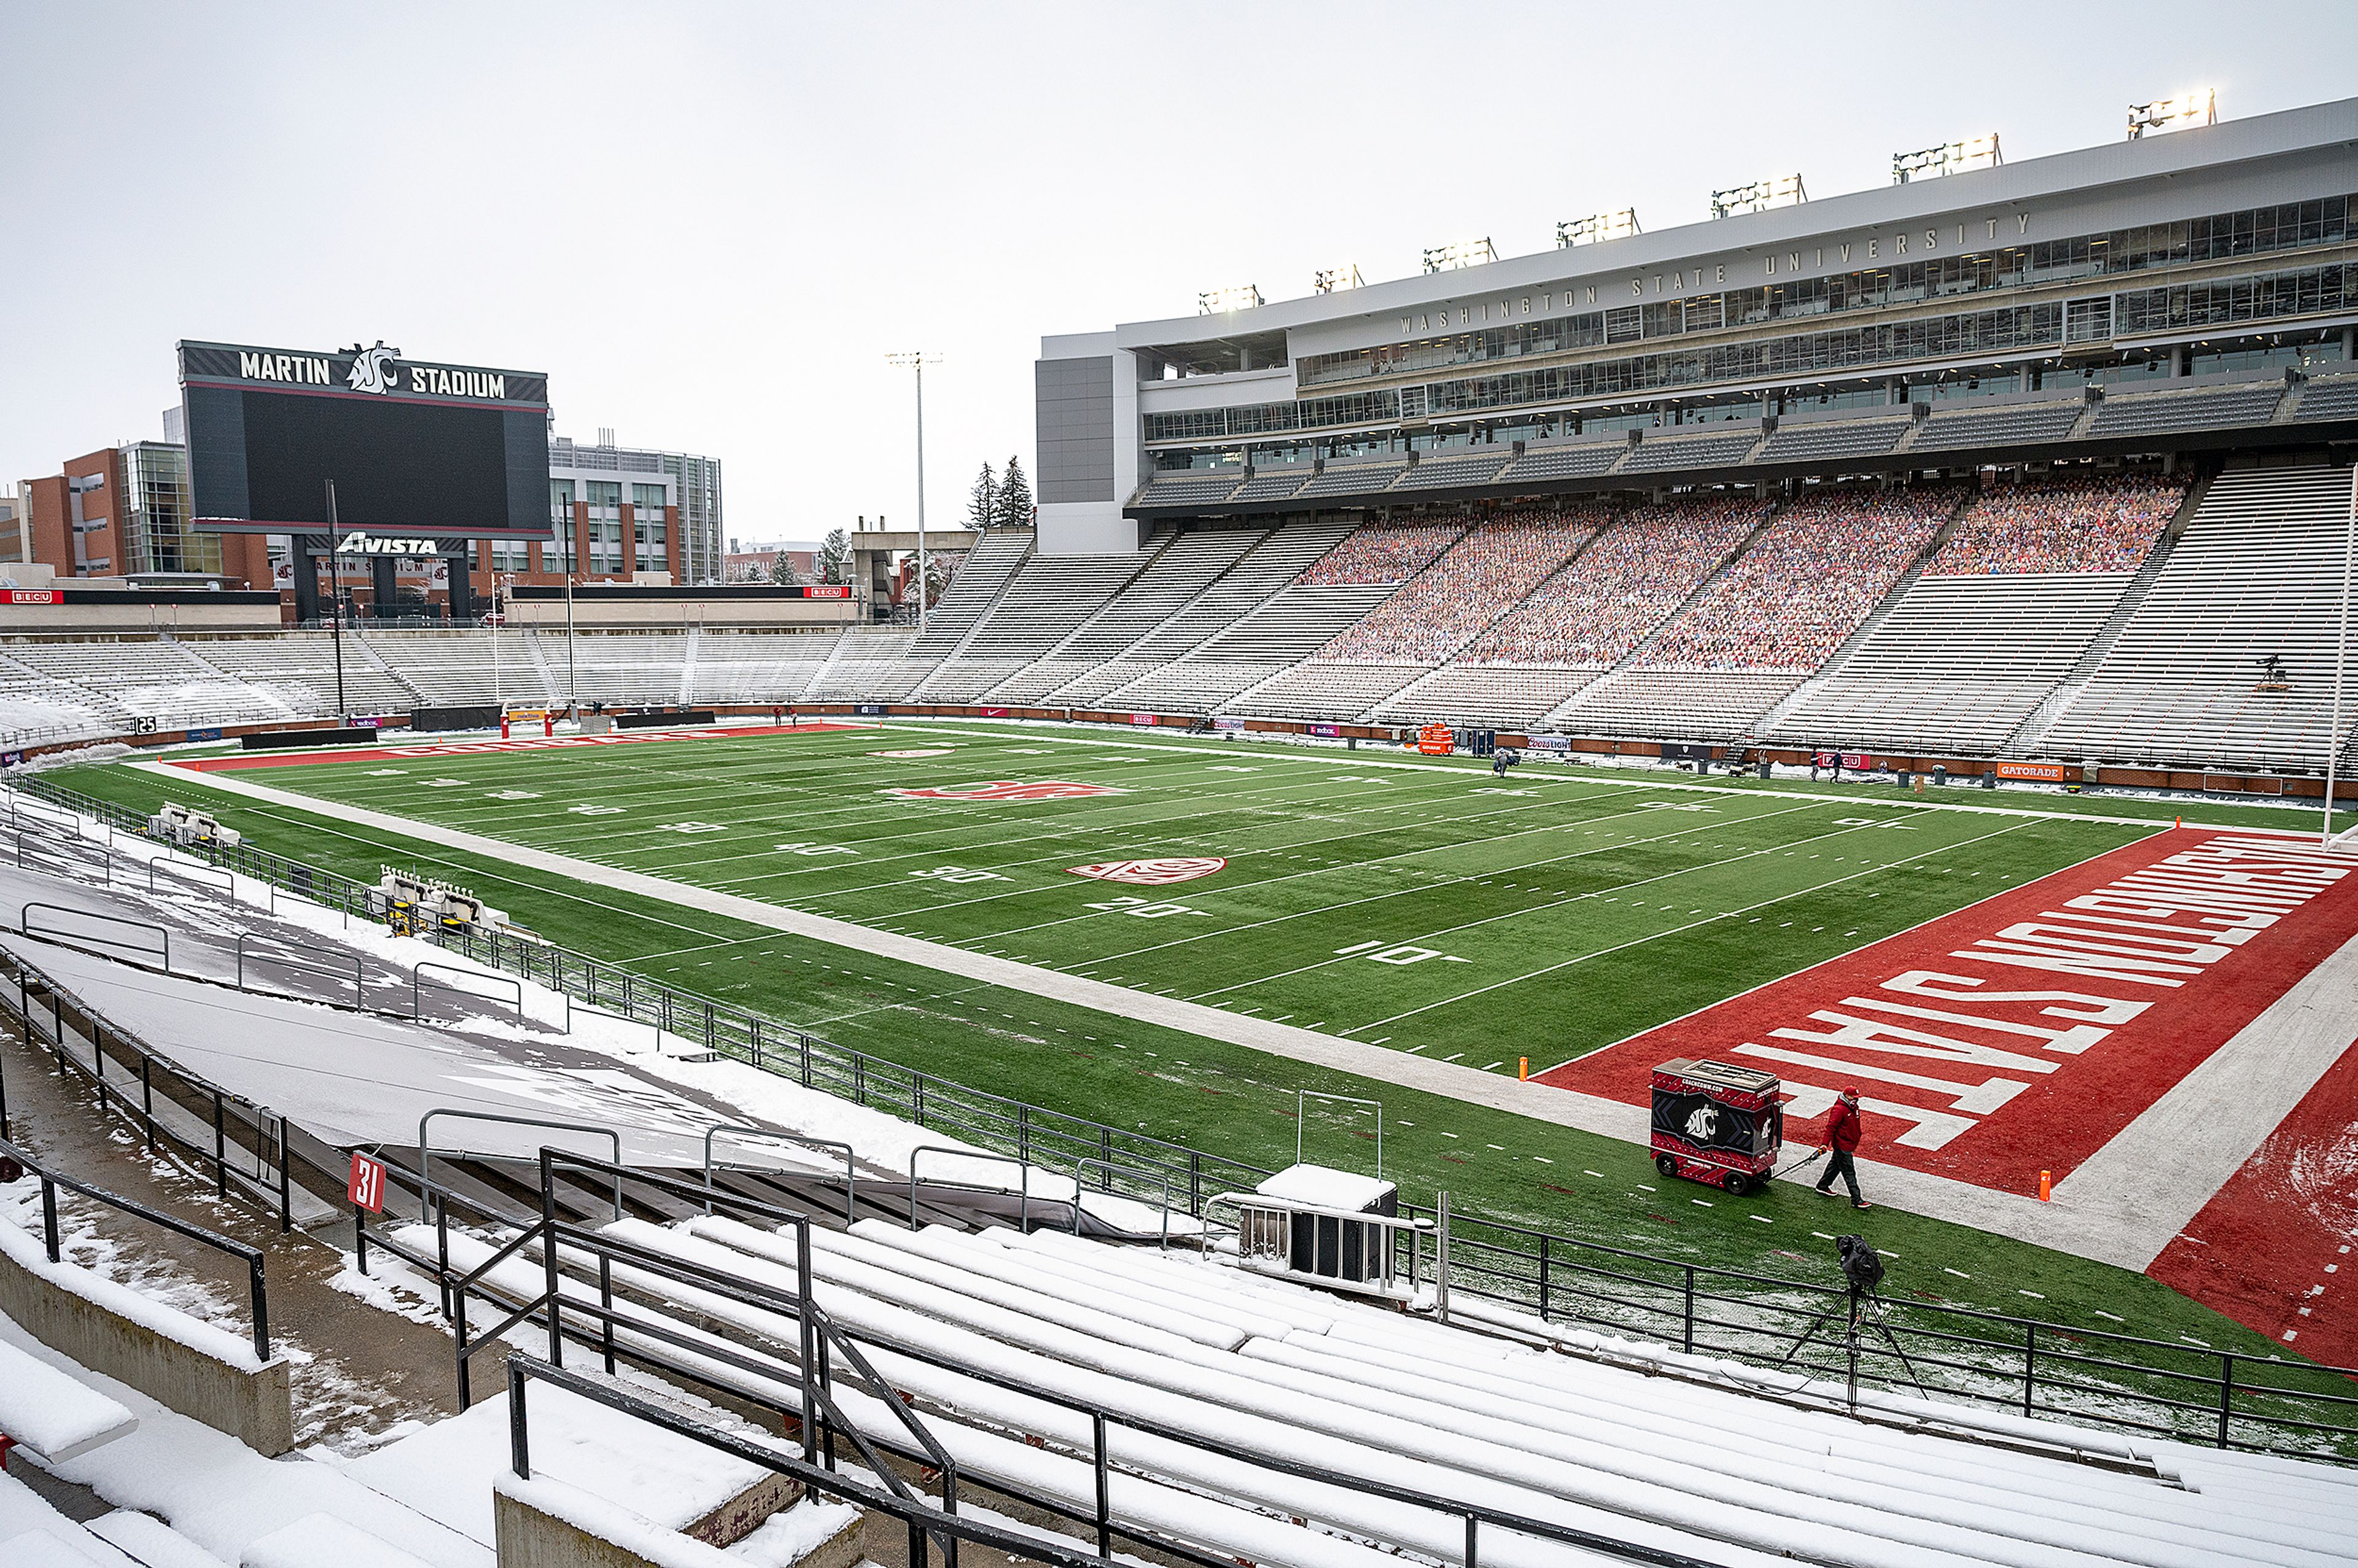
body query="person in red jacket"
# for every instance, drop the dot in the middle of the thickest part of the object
(1841, 1142)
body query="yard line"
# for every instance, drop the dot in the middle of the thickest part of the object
(1640, 941)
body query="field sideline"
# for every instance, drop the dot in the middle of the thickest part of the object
(1204, 1092)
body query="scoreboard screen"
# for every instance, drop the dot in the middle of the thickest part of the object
(412, 447)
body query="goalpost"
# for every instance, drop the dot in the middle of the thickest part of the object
(2328, 839)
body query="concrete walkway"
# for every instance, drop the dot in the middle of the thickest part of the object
(2089, 1228)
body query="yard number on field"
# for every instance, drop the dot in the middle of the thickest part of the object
(798, 847)
(1146, 908)
(367, 1186)
(1400, 953)
(960, 874)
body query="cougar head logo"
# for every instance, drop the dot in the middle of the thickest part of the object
(373, 368)
(1702, 1122)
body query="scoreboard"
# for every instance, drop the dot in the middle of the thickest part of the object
(454, 452)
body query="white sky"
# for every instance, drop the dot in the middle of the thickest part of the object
(710, 223)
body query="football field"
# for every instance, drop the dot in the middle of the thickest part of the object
(1426, 908)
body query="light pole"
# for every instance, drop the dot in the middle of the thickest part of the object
(2341, 662)
(336, 605)
(917, 360)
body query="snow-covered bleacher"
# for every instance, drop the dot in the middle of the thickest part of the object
(1637, 1449)
(2253, 576)
(757, 666)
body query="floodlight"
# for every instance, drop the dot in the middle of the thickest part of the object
(1463, 253)
(1949, 157)
(1219, 301)
(1327, 279)
(1783, 191)
(1598, 227)
(2198, 107)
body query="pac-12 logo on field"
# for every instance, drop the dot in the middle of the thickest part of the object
(1007, 789)
(1153, 873)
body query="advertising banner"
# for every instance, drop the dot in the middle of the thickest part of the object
(1549, 743)
(1147, 718)
(868, 710)
(1329, 731)
(37, 596)
(996, 712)
(1436, 740)
(1229, 726)
(2036, 772)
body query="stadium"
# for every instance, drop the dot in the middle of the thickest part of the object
(1297, 1010)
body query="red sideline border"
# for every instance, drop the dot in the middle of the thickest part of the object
(477, 748)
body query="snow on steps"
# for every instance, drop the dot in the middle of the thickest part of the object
(982, 1454)
(1425, 1407)
(318, 1540)
(51, 1414)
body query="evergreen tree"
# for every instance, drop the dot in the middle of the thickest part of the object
(835, 557)
(982, 501)
(1012, 506)
(782, 571)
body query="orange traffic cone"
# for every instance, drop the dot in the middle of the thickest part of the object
(2046, 1186)
(1523, 1068)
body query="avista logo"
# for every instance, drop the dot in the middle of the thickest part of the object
(373, 369)
(1153, 873)
(359, 543)
(1007, 789)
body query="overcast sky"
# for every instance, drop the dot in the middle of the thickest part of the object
(710, 223)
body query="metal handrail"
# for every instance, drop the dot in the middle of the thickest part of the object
(457, 1114)
(416, 973)
(257, 1287)
(69, 939)
(1022, 1179)
(285, 960)
(850, 1176)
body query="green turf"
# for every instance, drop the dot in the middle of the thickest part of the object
(1432, 911)
(815, 789)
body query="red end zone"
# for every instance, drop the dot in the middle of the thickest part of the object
(474, 748)
(2024, 1032)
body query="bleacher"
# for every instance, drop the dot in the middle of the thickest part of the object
(1280, 1377)
(1050, 596)
(1832, 440)
(867, 664)
(298, 669)
(1953, 429)
(2330, 397)
(1659, 454)
(1273, 484)
(1506, 695)
(2157, 413)
(1352, 478)
(1442, 470)
(1189, 565)
(632, 668)
(739, 666)
(1569, 460)
(1673, 705)
(1190, 487)
(459, 667)
(1262, 573)
(2255, 575)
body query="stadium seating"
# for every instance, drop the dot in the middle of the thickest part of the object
(2155, 413)
(1805, 584)
(2011, 423)
(867, 665)
(298, 669)
(1437, 469)
(1190, 487)
(2334, 397)
(2028, 577)
(757, 666)
(1273, 484)
(1673, 705)
(1569, 460)
(1659, 454)
(1353, 477)
(1833, 439)
(470, 664)
(1049, 597)
(1172, 578)
(2253, 576)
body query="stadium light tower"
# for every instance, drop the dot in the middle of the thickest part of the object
(1781, 190)
(1949, 157)
(2340, 663)
(1462, 253)
(1596, 227)
(1327, 279)
(1220, 301)
(917, 360)
(2198, 107)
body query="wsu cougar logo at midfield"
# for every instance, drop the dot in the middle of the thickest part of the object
(373, 368)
